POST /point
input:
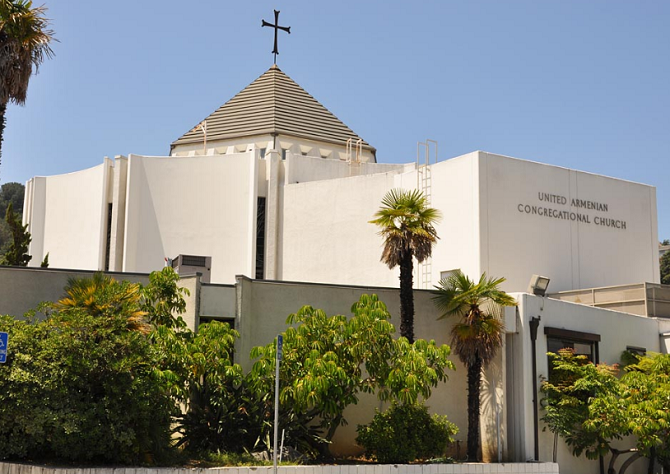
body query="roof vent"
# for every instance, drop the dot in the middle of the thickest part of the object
(191, 264)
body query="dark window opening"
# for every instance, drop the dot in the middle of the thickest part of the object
(260, 239)
(638, 351)
(262, 153)
(582, 343)
(209, 319)
(108, 243)
(283, 153)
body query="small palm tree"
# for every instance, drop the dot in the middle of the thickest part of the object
(24, 44)
(103, 296)
(406, 223)
(477, 336)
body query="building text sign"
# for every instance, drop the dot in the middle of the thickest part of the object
(556, 206)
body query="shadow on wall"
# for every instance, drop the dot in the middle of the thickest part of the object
(491, 421)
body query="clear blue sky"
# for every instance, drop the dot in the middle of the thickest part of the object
(581, 84)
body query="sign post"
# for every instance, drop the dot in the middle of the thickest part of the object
(4, 337)
(280, 348)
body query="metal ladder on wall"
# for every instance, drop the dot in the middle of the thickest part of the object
(354, 155)
(424, 183)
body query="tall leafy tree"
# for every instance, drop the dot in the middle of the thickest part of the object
(14, 193)
(407, 225)
(24, 44)
(592, 407)
(9, 193)
(476, 337)
(17, 252)
(665, 268)
(329, 361)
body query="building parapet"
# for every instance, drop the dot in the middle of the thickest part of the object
(644, 299)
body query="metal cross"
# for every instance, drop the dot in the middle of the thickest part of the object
(276, 27)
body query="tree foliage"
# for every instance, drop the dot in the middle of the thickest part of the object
(329, 361)
(103, 296)
(665, 268)
(405, 433)
(12, 193)
(407, 225)
(573, 384)
(221, 413)
(589, 407)
(164, 299)
(9, 193)
(81, 388)
(17, 252)
(24, 45)
(477, 336)
(107, 378)
(86, 384)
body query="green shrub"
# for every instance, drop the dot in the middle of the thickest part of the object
(81, 388)
(222, 413)
(404, 433)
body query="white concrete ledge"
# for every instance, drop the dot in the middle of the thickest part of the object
(470, 468)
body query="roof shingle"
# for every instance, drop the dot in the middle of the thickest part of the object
(273, 104)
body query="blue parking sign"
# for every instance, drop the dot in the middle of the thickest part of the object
(280, 347)
(3, 347)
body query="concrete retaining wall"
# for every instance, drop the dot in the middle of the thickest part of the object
(471, 468)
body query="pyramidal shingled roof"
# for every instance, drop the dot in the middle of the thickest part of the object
(273, 103)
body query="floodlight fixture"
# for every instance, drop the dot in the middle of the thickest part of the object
(538, 285)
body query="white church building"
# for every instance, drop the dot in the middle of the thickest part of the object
(269, 199)
(273, 186)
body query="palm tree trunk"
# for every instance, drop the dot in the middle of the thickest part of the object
(407, 297)
(474, 386)
(3, 109)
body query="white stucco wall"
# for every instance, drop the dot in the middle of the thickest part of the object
(194, 206)
(573, 254)
(300, 169)
(206, 205)
(23, 289)
(67, 217)
(456, 194)
(325, 235)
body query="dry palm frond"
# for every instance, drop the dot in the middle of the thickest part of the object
(25, 40)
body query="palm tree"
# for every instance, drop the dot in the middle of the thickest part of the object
(477, 336)
(406, 223)
(103, 296)
(24, 44)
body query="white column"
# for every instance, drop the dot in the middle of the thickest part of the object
(118, 213)
(272, 214)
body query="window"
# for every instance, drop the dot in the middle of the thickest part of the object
(283, 153)
(583, 343)
(260, 238)
(209, 319)
(262, 153)
(448, 273)
(638, 351)
(108, 241)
